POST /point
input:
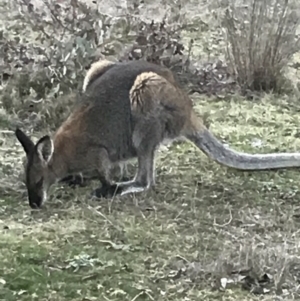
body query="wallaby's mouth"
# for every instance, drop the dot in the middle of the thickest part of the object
(35, 201)
(34, 206)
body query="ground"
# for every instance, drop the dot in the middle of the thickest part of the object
(204, 222)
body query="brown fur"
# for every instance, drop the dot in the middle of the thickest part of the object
(66, 138)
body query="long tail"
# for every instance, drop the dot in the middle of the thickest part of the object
(96, 70)
(214, 149)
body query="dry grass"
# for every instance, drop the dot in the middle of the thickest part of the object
(201, 224)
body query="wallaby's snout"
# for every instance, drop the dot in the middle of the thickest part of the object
(35, 198)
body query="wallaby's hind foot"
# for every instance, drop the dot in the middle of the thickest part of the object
(126, 182)
(134, 188)
(118, 189)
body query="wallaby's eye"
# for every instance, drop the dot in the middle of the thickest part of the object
(39, 184)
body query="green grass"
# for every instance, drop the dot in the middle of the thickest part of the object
(202, 223)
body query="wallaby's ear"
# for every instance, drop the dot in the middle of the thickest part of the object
(25, 141)
(45, 148)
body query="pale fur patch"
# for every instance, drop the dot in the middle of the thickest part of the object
(40, 152)
(131, 190)
(146, 87)
(44, 196)
(94, 70)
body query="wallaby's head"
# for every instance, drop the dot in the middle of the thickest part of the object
(38, 175)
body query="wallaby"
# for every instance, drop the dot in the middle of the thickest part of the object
(125, 113)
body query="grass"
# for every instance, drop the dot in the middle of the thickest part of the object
(203, 222)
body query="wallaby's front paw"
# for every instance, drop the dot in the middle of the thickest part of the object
(107, 191)
(73, 181)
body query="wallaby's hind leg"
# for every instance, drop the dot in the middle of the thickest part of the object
(144, 178)
(145, 139)
(108, 188)
(145, 174)
(123, 172)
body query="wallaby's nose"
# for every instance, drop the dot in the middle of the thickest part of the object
(33, 205)
(35, 201)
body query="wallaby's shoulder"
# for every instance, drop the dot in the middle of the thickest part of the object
(75, 125)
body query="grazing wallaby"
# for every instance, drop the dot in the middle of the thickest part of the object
(125, 113)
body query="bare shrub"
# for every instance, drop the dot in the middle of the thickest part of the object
(46, 50)
(261, 38)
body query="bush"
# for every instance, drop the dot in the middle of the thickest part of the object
(261, 39)
(46, 50)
